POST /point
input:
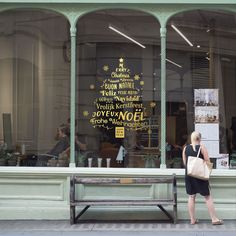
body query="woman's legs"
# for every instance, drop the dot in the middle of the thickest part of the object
(211, 208)
(191, 208)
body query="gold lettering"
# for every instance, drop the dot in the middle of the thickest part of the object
(119, 75)
(110, 86)
(108, 93)
(108, 106)
(126, 85)
(138, 116)
(129, 116)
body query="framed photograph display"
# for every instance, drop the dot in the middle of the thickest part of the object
(206, 103)
(206, 97)
(222, 162)
(206, 115)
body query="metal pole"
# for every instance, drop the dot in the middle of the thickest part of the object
(72, 93)
(163, 97)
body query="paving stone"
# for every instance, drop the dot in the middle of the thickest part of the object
(64, 226)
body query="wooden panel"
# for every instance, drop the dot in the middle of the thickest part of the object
(103, 181)
(31, 189)
(171, 129)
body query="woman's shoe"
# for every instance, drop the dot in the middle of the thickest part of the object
(218, 222)
(195, 222)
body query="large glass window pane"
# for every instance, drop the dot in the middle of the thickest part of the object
(201, 83)
(118, 104)
(34, 85)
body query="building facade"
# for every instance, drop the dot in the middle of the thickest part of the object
(113, 88)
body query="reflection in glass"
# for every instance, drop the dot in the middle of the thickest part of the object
(34, 80)
(206, 52)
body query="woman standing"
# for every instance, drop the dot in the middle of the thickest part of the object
(194, 185)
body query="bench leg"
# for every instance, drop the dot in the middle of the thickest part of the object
(81, 213)
(175, 213)
(72, 215)
(166, 212)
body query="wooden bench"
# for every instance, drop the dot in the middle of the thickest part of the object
(86, 203)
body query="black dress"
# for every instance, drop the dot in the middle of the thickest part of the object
(194, 185)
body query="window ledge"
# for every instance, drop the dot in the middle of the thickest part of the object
(62, 171)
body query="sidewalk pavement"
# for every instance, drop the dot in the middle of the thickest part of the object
(63, 228)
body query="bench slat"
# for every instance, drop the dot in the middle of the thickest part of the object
(123, 202)
(103, 181)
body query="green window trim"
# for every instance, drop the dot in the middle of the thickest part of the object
(161, 12)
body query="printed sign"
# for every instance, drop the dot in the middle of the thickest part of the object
(222, 161)
(120, 132)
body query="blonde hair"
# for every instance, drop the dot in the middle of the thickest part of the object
(195, 138)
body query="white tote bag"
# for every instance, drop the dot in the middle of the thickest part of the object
(199, 168)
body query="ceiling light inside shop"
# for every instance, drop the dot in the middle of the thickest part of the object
(174, 63)
(225, 59)
(182, 35)
(198, 46)
(126, 36)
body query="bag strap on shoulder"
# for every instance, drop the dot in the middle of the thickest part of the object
(199, 151)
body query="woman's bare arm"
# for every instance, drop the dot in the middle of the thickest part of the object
(184, 156)
(205, 153)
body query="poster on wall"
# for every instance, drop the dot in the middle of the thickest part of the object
(204, 130)
(212, 147)
(206, 103)
(222, 161)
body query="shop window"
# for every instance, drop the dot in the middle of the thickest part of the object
(34, 84)
(201, 82)
(118, 106)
